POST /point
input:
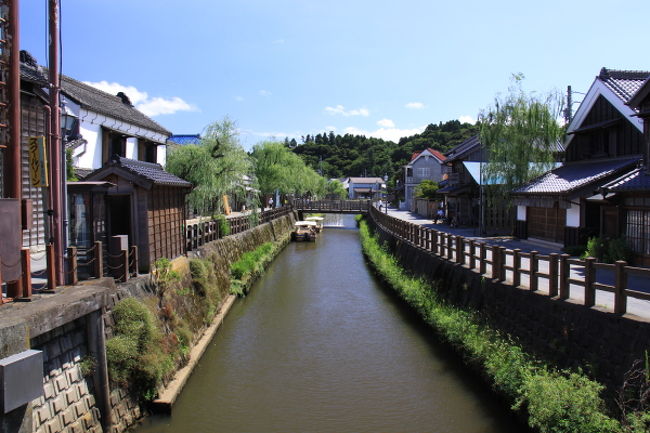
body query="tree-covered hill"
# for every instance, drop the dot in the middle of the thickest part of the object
(356, 155)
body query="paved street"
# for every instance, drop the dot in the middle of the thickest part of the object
(604, 299)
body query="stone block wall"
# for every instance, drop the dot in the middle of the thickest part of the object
(68, 401)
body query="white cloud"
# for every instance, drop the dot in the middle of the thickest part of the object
(467, 119)
(386, 123)
(392, 134)
(264, 93)
(239, 98)
(340, 109)
(150, 106)
(415, 105)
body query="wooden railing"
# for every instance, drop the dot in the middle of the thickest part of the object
(559, 271)
(207, 231)
(337, 206)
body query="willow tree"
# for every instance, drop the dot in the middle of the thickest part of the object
(520, 134)
(215, 167)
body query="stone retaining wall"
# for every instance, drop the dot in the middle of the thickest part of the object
(563, 333)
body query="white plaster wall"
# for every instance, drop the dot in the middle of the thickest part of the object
(521, 213)
(573, 215)
(161, 155)
(92, 157)
(132, 148)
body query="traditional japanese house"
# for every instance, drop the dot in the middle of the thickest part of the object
(627, 198)
(604, 141)
(134, 198)
(461, 191)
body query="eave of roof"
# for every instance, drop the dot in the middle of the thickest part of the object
(146, 174)
(637, 180)
(575, 176)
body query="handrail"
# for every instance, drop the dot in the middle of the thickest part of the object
(454, 249)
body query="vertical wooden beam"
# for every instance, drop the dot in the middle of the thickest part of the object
(533, 270)
(516, 267)
(590, 292)
(495, 262)
(99, 259)
(26, 258)
(460, 250)
(502, 263)
(620, 296)
(564, 276)
(73, 266)
(472, 254)
(481, 262)
(552, 274)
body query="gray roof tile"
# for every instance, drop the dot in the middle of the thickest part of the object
(623, 83)
(634, 181)
(150, 171)
(572, 176)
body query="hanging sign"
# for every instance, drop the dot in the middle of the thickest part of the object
(37, 161)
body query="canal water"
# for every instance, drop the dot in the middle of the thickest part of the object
(320, 346)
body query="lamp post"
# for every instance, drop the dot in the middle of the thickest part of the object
(386, 194)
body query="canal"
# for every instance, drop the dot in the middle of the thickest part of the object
(320, 346)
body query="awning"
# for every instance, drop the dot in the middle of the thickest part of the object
(475, 168)
(599, 197)
(363, 190)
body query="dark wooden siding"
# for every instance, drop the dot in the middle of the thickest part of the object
(165, 218)
(617, 140)
(546, 223)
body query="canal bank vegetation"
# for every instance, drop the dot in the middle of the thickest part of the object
(152, 336)
(250, 266)
(553, 401)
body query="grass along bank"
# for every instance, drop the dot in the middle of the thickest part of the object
(552, 400)
(251, 265)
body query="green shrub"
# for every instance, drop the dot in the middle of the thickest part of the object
(250, 263)
(607, 250)
(224, 226)
(575, 250)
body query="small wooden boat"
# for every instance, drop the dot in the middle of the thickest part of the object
(318, 220)
(304, 231)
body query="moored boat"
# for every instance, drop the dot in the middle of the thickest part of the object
(318, 220)
(304, 231)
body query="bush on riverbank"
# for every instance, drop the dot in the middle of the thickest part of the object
(555, 401)
(250, 265)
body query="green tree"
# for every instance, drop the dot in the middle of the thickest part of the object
(215, 167)
(520, 133)
(427, 189)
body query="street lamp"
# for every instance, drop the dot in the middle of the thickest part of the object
(386, 193)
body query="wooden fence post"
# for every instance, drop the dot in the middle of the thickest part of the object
(481, 259)
(552, 274)
(51, 274)
(434, 241)
(472, 254)
(620, 296)
(125, 265)
(460, 250)
(495, 262)
(516, 267)
(98, 256)
(564, 276)
(26, 258)
(136, 263)
(590, 292)
(73, 267)
(533, 270)
(502, 263)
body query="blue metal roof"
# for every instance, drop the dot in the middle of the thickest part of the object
(185, 139)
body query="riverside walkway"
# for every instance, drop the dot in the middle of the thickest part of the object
(604, 274)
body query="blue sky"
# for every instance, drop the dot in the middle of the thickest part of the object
(297, 67)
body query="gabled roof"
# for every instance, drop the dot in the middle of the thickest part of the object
(184, 139)
(145, 174)
(462, 149)
(641, 94)
(438, 155)
(93, 99)
(633, 181)
(617, 87)
(30, 71)
(571, 177)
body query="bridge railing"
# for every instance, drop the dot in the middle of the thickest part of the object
(558, 273)
(355, 206)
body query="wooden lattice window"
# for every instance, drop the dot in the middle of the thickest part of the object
(637, 230)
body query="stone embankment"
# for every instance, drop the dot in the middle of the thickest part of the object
(71, 329)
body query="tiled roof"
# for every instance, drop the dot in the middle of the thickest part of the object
(110, 105)
(633, 181)
(575, 175)
(623, 83)
(185, 139)
(30, 71)
(150, 171)
(434, 152)
(463, 148)
(81, 173)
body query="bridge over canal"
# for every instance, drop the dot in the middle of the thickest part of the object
(332, 206)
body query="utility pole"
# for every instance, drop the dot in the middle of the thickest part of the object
(56, 169)
(568, 111)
